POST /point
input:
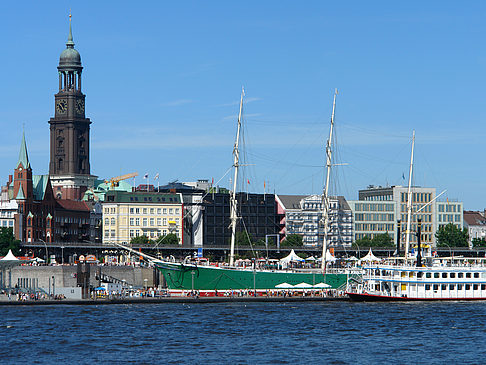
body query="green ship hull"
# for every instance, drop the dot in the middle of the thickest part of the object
(209, 278)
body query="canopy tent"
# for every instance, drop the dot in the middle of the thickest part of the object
(329, 257)
(9, 257)
(284, 286)
(9, 260)
(352, 258)
(370, 257)
(291, 257)
(310, 258)
(322, 286)
(303, 286)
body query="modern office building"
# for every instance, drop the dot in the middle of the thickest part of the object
(372, 218)
(380, 208)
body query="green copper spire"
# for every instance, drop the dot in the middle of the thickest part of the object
(70, 43)
(23, 156)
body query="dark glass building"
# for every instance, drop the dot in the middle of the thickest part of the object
(257, 215)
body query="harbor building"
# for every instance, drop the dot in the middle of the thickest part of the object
(131, 214)
(257, 215)
(303, 216)
(372, 218)
(69, 167)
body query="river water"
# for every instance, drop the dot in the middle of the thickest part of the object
(245, 333)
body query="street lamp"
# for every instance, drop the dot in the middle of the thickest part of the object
(450, 251)
(47, 253)
(62, 254)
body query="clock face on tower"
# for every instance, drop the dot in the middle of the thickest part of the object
(61, 106)
(79, 106)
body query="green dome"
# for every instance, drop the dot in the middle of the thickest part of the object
(70, 58)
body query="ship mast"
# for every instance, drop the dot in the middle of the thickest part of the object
(325, 195)
(236, 154)
(409, 200)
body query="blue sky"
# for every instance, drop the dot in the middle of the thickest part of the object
(163, 82)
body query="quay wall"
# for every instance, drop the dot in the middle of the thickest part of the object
(66, 275)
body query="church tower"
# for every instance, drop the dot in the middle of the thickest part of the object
(69, 167)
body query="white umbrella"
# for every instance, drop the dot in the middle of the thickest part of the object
(303, 286)
(284, 286)
(322, 286)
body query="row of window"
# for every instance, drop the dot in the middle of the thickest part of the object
(449, 218)
(375, 227)
(377, 217)
(417, 197)
(6, 214)
(453, 286)
(449, 208)
(150, 211)
(145, 221)
(373, 207)
(6, 223)
(136, 233)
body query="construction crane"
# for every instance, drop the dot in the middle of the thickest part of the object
(115, 180)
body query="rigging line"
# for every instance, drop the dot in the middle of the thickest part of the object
(189, 211)
(273, 161)
(372, 131)
(248, 238)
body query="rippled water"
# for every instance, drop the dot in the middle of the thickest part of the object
(334, 333)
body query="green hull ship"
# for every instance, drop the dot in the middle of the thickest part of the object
(184, 277)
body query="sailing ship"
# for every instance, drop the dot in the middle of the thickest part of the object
(208, 280)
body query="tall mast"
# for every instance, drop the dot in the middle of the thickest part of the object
(325, 197)
(409, 199)
(236, 154)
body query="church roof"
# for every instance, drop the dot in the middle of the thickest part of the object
(20, 194)
(23, 156)
(39, 184)
(72, 204)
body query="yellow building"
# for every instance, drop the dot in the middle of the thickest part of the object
(131, 214)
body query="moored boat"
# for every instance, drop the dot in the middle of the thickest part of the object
(401, 282)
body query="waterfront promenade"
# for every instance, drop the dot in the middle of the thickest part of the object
(5, 301)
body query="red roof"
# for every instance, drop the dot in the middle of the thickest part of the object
(72, 205)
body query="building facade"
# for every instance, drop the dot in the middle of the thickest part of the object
(69, 166)
(304, 214)
(372, 218)
(131, 214)
(450, 212)
(475, 222)
(257, 215)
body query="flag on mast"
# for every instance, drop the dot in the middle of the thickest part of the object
(156, 177)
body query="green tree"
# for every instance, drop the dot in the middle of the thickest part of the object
(382, 240)
(140, 240)
(479, 242)
(243, 239)
(169, 239)
(362, 242)
(452, 236)
(292, 240)
(8, 242)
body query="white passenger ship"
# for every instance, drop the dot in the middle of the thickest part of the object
(440, 281)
